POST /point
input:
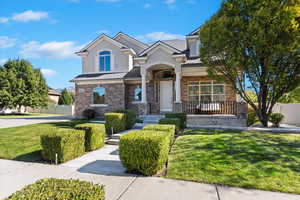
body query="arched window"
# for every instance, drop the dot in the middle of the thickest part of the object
(105, 60)
(138, 94)
(99, 95)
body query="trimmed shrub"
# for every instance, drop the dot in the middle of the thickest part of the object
(165, 128)
(60, 189)
(130, 117)
(251, 117)
(144, 151)
(89, 113)
(94, 135)
(67, 143)
(115, 121)
(276, 118)
(181, 116)
(172, 121)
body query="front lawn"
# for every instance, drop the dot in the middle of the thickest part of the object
(244, 159)
(23, 143)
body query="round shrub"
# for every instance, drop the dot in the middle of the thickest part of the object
(181, 116)
(130, 117)
(276, 118)
(89, 113)
(60, 189)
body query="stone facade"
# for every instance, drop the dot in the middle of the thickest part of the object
(114, 98)
(215, 120)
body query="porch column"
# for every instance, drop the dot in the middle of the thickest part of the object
(144, 86)
(178, 87)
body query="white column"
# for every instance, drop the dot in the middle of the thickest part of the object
(144, 86)
(178, 87)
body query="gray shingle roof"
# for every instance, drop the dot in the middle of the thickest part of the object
(135, 72)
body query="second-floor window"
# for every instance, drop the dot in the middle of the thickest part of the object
(105, 61)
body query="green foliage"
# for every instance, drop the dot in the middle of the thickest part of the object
(165, 128)
(94, 135)
(130, 117)
(276, 118)
(89, 113)
(291, 97)
(170, 121)
(115, 121)
(60, 189)
(251, 117)
(181, 116)
(251, 95)
(22, 85)
(144, 151)
(65, 98)
(257, 41)
(66, 143)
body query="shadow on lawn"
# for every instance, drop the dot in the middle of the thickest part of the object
(30, 157)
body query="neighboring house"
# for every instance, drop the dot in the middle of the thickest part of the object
(53, 95)
(166, 76)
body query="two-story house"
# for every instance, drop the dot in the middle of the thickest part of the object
(166, 76)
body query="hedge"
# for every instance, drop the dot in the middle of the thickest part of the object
(115, 121)
(130, 117)
(60, 189)
(165, 128)
(94, 135)
(144, 151)
(181, 116)
(67, 143)
(171, 121)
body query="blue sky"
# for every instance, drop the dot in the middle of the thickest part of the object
(48, 32)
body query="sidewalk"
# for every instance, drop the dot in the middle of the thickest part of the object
(104, 167)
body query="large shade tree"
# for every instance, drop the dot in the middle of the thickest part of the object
(22, 85)
(254, 45)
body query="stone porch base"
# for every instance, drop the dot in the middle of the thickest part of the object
(216, 120)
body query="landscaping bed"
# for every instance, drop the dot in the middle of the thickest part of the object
(246, 159)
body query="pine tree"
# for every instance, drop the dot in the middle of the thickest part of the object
(65, 98)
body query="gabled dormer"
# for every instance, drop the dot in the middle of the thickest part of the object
(193, 43)
(130, 42)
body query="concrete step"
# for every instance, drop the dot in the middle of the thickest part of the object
(116, 136)
(113, 141)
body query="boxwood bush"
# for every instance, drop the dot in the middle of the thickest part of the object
(165, 128)
(144, 151)
(115, 121)
(94, 135)
(60, 189)
(130, 117)
(67, 143)
(181, 116)
(276, 119)
(172, 121)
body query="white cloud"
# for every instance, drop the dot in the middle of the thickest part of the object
(3, 60)
(4, 19)
(147, 5)
(48, 72)
(6, 42)
(170, 1)
(52, 49)
(154, 36)
(103, 32)
(109, 1)
(30, 15)
(170, 4)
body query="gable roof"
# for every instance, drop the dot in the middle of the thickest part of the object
(159, 43)
(194, 32)
(139, 43)
(99, 38)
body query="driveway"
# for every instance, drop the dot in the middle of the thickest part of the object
(14, 122)
(104, 167)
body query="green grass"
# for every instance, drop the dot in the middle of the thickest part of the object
(26, 115)
(23, 143)
(244, 159)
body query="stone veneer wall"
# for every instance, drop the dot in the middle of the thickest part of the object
(230, 94)
(114, 98)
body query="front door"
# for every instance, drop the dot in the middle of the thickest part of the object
(166, 96)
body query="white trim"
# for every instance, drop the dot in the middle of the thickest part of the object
(136, 102)
(98, 105)
(97, 81)
(212, 84)
(131, 39)
(160, 43)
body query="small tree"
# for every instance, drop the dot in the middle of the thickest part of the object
(65, 98)
(22, 85)
(254, 45)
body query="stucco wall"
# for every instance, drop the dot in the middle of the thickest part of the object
(119, 62)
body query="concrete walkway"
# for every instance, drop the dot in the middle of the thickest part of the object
(104, 167)
(14, 122)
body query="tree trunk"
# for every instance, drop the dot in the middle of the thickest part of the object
(264, 119)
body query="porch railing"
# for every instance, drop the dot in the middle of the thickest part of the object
(210, 107)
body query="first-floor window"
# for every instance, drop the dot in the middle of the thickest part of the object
(206, 91)
(99, 95)
(138, 94)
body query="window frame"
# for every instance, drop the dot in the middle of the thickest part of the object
(98, 56)
(134, 95)
(200, 94)
(101, 104)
